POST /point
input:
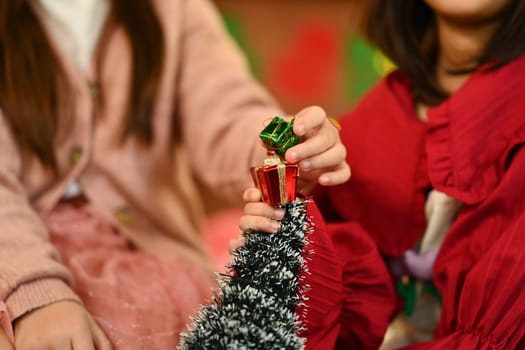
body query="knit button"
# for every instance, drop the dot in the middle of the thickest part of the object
(123, 215)
(75, 155)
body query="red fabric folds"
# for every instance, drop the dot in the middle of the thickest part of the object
(480, 268)
(471, 134)
(471, 149)
(484, 307)
(351, 297)
(385, 148)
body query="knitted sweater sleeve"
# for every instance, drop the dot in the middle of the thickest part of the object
(31, 274)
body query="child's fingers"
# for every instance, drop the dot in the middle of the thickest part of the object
(338, 175)
(99, 337)
(314, 145)
(317, 141)
(333, 156)
(82, 341)
(250, 223)
(235, 243)
(321, 168)
(259, 216)
(252, 194)
(5, 343)
(264, 210)
(308, 119)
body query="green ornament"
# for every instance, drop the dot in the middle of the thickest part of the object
(278, 136)
(406, 288)
(431, 288)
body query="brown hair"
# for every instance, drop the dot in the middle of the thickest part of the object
(405, 31)
(34, 86)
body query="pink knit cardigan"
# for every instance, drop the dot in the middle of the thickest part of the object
(150, 193)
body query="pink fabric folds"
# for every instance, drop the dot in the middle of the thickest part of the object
(140, 300)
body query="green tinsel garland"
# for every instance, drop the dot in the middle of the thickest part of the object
(256, 305)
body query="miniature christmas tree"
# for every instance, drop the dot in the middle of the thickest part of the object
(256, 306)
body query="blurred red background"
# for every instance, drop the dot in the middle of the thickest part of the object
(305, 51)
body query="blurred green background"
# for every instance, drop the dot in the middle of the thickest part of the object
(306, 51)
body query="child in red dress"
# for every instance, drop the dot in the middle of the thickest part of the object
(437, 191)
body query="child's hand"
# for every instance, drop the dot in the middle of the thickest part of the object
(258, 216)
(64, 325)
(322, 156)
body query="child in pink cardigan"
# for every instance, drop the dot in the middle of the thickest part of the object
(113, 113)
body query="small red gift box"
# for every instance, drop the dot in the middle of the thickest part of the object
(276, 179)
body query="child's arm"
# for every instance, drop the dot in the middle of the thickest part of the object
(34, 285)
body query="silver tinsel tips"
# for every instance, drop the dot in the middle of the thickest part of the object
(256, 305)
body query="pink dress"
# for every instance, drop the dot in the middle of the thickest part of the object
(140, 300)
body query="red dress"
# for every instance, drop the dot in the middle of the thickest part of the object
(471, 150)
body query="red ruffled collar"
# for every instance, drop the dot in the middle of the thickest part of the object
(471, 135)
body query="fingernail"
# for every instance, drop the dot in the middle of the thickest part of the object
(299, 129)
(324, 180)
(278, 214)
(240, 241)
(275, 226)
(292, 155)
(306, 165)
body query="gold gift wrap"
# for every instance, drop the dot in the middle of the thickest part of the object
(276, 179)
